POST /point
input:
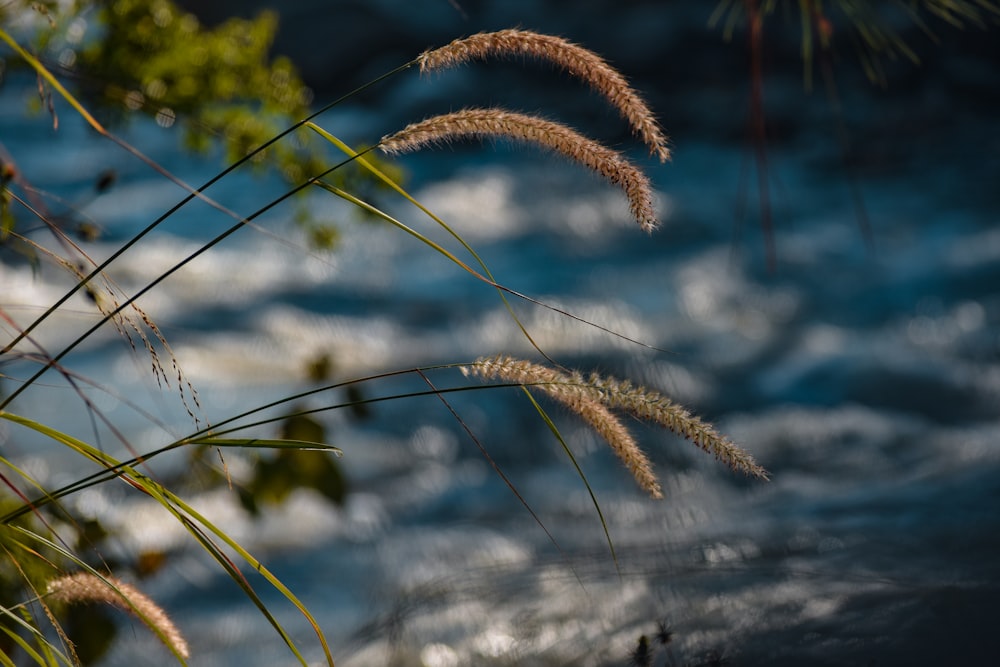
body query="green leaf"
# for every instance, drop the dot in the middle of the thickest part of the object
(267, 443)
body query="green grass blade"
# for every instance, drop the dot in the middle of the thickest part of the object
(264, 443)
(593, 498)
(379, 174)
(438, 248)
(193, 193)
(179, 509)
(68, 554)
(343, 194)
(75, 444)
(26, 646)
(44, 73)
(261, 570)
(234, 572)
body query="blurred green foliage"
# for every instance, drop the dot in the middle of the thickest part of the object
(22, 565)
(221, 86)
(227, 94)
(152, 57)
(277, 474)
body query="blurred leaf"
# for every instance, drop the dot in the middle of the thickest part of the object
(90, 533)
(149, 562)
(296, 467)
(359, 408)
(320, 368)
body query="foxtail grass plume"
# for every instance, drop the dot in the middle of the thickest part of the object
(86, 588)
(561, 388)
(572, 58)
(609, 164)
(652, 406)
(613, 394)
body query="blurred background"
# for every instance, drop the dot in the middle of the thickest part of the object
(828, 294)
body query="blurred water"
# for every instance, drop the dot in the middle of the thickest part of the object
(864, 378)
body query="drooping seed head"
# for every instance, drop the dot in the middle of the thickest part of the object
(84, 587)
(572, 58)
(561, 387)
(609, 164)
(645, 404)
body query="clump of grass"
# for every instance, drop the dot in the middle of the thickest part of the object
(599, 401)
(610, 164)
(574, 59)
(83, 588)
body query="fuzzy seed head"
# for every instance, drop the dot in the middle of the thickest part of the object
(569, 57)
(612, 394)
(87, 588)
(609, 164)
(561, 388)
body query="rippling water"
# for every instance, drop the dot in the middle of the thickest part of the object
(865, 377)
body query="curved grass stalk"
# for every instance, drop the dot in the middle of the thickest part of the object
(52, 652)
(166, 274)
(475, 274)
(379, 174)
(503, 476)
(119, 469)
(185, 514)
(134, 602)
(193, 193)
(122, 468)
(210, 436)
(579, 471)
(24, 645)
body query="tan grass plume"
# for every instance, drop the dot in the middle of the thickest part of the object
(561, 388)
(652, 406)
(610, 393)
(83, 587)
(572, 58)
(608, 163)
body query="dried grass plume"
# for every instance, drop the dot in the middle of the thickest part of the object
(652, 406)
(572, 58)
(581, 393)
(84, 587)
(609, 164)
(561, 388)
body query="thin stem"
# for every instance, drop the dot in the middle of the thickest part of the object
(194, 193)
(218, 239)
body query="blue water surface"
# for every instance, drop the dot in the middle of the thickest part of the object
(862, 369)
